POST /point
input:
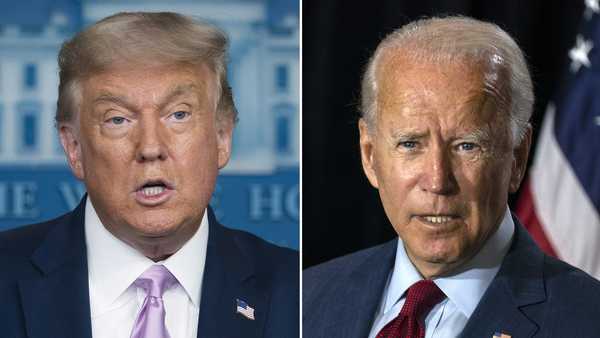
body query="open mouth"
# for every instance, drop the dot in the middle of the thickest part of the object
(153, 191)
(437, 219)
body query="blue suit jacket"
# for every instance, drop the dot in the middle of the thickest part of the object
(44, 283)
(533, 295)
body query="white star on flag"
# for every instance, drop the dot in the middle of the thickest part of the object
(579, 53)
(591, 6)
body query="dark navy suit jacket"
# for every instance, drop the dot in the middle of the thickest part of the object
(44, 283)
(533, 295)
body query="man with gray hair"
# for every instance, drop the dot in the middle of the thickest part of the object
(145, 116)
(444, 137)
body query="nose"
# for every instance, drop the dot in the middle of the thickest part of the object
(151, 143)
(437, 175)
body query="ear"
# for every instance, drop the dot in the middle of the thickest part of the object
(69, 138)
(519, 165)
(367, 150)
(224, 139)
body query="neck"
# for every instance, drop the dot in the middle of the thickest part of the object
(158, 259)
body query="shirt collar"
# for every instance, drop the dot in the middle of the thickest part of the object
(187, 264)
(113, 265)
(465, 288)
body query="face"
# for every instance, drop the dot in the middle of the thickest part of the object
(441, 156)
(148, 146)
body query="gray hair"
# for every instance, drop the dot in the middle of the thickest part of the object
(130, 38)
(437, 40)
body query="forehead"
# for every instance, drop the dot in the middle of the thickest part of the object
(450, 92)
(149, 83)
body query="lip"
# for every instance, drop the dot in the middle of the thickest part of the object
(158, 199)
(154, 181)
(453, 221)
(151, 201)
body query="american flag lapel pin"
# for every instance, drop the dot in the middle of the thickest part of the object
(501, 335)
(246, 310)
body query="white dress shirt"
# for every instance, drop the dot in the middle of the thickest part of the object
(464, 289)
(113, 266)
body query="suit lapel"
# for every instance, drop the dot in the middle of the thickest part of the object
(509, 304)
(230, 275)
(57, 303)
(354, 306)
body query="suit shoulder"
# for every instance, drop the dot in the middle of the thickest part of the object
(18, 245)
(571, 305)
(268, 256)
(333, 275)
(563, 278)
(252, 242)
(340, 266)
(25, 239)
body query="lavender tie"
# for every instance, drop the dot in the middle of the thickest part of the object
(150, 322)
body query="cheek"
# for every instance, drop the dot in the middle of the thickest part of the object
(478, 180)
(105, 157)
(397, 180)
(196, 155)
(484, 188)
(493, 181)
(394, 169)
(198, 148)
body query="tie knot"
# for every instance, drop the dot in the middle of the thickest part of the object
(421, 298)
(156, 280)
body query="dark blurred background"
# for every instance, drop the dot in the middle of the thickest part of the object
(341, 212)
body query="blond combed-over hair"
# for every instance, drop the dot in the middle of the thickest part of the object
(131, 38)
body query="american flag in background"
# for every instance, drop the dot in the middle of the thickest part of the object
(560, 202)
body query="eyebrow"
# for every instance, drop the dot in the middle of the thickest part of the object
(178, 90)
(408, 135)
(107, 96)
(478, 135)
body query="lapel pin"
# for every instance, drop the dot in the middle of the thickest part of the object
(501, 335)
(247, 311)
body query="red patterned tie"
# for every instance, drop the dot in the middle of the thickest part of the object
(421, 297)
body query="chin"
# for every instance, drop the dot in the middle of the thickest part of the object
(439, 258)
(156, 229)
(441, 255)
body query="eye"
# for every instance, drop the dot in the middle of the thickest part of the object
(180, 115)
(116, 120)
(467, 146)
(408, 144)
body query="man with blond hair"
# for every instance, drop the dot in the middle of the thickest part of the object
(145, 116)
(444, 137)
